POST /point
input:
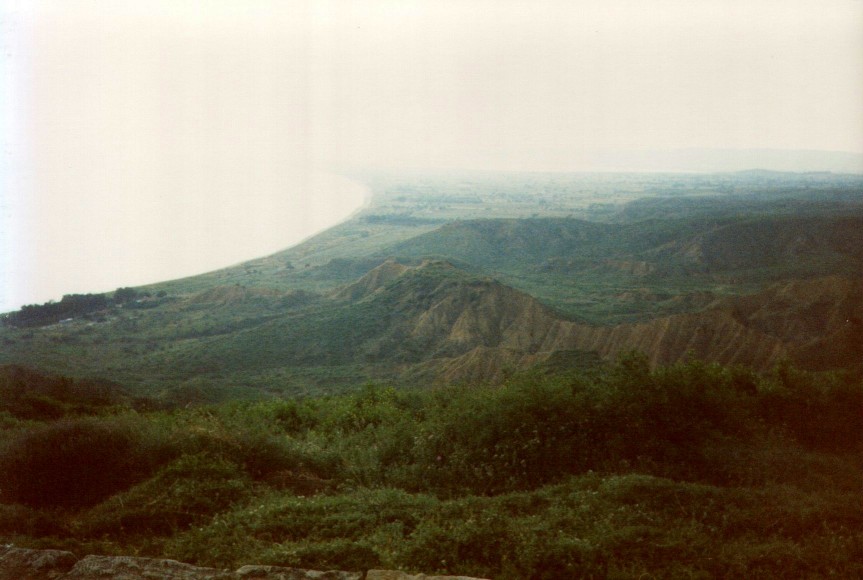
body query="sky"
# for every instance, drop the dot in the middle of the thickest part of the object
(144, 140)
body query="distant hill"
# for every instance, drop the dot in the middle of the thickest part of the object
(434, 323)
(723, 160)
(705, 244)
(675, 266)
(599, 272)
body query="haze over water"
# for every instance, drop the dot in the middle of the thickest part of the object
(147, 140)
(138, 242)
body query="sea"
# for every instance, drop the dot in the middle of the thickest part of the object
(49, 248)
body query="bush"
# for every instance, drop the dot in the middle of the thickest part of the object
(480, 544)
(19, 519)
(666, 421)
(188, 491)
(537, 429)
(517, 437)
(822, 411)
(244, 435)
(293, 417)
(73, 463)
(28, 394)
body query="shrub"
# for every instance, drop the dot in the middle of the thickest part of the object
(479, 544)
(293, 417)
(28, 394)
(19, 519)
(523, 435)
(823, 411)
(73, 463)
(666, 420)
(244, 435)
(188, 491)
(537, 429)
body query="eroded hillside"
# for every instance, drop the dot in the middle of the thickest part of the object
(731, 269)
(433, 323)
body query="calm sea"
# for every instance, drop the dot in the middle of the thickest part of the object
(50, 248)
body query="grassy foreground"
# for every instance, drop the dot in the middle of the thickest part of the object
(688, 471)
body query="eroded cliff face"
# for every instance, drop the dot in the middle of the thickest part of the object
(485, 314)
(479, 330)
(436, 310)
(438, 323)
(713, 335)
(821, 320)
(372, 282)
(802, 311)
(481, 365)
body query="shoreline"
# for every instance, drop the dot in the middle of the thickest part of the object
(366, 202)
(307, 204)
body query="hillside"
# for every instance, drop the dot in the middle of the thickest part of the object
(410, 204)
(470, 277)
(426, 324)
(595, 272)
(446, 383)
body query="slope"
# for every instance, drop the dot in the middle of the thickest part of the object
(379, 297)
(611, 273)
(435, 322)
(417, 325)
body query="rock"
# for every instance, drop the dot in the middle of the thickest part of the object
(129, 568)
(23, 564)
(278, 573)
(396, 575)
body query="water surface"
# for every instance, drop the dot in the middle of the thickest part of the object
(98, 244)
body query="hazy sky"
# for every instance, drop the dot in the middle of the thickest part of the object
(135, 131)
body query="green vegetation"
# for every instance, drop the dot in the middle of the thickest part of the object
(240, 433)
(26, 394)
(600, 250)
(70, 306)
(72, 462)
(590, 270)
(692, 470)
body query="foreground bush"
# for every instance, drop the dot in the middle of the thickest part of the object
(536, 430)
(693, 470)
(247, 437)
(74, 462)
(190, 490)
(592, 526)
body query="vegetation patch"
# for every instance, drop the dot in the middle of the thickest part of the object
(73, 462)
(691, 470)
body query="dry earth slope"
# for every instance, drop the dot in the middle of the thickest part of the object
(475, 329)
